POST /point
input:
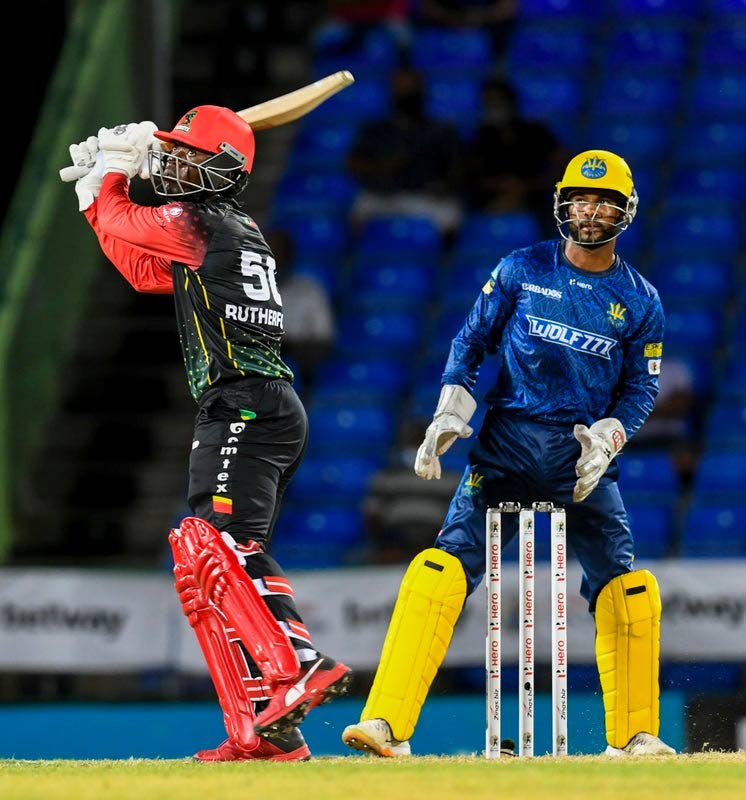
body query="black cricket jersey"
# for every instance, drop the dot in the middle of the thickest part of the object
(222, 273)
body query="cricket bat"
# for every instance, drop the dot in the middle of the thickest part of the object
(277, 111)
(292, 106)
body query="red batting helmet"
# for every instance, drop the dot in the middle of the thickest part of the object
(208, 127)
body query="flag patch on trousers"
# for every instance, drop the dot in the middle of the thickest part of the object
(222, 505)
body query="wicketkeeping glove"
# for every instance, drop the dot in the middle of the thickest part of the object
(125, 147)
(598, 446)
(455, 408)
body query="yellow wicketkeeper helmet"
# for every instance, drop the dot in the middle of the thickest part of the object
(597, 171)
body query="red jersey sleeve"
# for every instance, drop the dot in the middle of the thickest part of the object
(143, 241)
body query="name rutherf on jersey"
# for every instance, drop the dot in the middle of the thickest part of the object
(254, 314)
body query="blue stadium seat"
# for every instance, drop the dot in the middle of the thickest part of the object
(563, 11)
(652, 529)
(400, 236)
(722, 184)
(715, 530)
(699, 138)
(648, 476)
(688, 230)
(727, 9)
(411, 281)
(336, 478)
(648, 43)
(316, 237)
(732, 384)
(549, 96)
(365, 99)
(326, 271)
(391, 333)
(494, 234)
(717, 93)
(454, 100)
(365, 429)
(452, 51)
(726, 427)
(693, 281)
(720, 475)
(538, 45)
(316, 537)
(374, 56)
(322, 147)
(723, 46)
(639, 95)
(382, 380)
(696, 328)
(315, 193)
(675, 10)
(637, 141)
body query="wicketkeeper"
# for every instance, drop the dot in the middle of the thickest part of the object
(250, 430)
(577, 334)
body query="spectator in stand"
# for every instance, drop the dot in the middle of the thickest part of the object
(512, 158)
(497, 16)
(308, 313)
(408, 163)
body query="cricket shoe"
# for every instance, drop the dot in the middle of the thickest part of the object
(374, 736)
(641, 744)
(289, 747)
(319, 682)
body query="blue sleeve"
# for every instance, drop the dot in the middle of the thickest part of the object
(640, 370)
(483, 327)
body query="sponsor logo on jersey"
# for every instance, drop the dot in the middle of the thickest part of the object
(555, 294)
(473, 484)
(653, 350)
(567, 336)
(616, 312)
(489, 286)
(654, 366)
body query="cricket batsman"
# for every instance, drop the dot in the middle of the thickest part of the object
(250, 429)
(577, 334)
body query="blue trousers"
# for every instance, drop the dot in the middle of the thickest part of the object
(522, 460)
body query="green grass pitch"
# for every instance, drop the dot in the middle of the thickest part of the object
(702, 776)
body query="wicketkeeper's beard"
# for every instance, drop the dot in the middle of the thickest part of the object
(590, 234)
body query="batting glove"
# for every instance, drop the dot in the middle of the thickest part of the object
(86, 171)
(125, 147)
(598, 446)
(455, 408)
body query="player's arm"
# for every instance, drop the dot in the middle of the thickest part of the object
(636, 395)
(482, 329)
(456, 405)
(642, 363)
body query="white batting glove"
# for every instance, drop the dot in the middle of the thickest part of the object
(598, 446)
(86, 171)
(455, 408)
(83, 155)
(125, 147)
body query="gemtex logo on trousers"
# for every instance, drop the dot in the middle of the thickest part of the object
(567, 336)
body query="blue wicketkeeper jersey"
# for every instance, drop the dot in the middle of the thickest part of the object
(571, 346)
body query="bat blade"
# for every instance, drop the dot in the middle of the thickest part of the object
(292, 106)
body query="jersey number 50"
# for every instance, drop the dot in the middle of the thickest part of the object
(263, 277)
